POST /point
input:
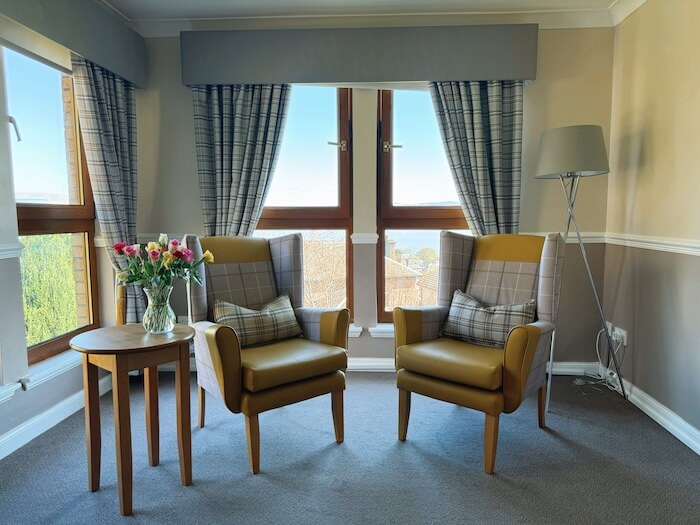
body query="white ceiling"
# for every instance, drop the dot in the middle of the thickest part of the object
(154, 18)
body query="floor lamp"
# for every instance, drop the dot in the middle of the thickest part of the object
(568, 154)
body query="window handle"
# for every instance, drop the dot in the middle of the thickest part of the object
(386, 146)
(343, 144)
(14, 125)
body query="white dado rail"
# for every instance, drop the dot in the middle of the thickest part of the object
(10, 250)
(646, 242)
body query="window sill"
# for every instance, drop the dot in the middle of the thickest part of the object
(51, 368)
(382, 331)
(7, 391)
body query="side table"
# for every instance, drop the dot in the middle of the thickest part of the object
(120, 349)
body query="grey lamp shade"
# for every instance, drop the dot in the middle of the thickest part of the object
(572, 149)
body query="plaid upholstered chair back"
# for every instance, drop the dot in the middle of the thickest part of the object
(503, 269)
(247, 271)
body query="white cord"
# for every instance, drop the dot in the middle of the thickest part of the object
(604, 380)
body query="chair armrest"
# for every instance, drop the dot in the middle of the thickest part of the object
(218, 355)
(421, 323)
(325, 325)
(521, 347)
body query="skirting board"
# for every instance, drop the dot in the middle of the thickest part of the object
(664, 416)
(25, 432)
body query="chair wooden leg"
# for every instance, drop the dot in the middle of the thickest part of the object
(541, 397)
(490, 442)
(201, 394)
(404, 413)
(252, 432)
(337, 409)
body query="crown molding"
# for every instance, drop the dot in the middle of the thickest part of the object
(621, 9)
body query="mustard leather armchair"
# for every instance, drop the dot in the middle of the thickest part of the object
(494, 269)
(250, 272)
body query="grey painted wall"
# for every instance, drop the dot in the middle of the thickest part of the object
(656, 296)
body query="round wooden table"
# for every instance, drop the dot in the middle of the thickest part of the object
(120, 349)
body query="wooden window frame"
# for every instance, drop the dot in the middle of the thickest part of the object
(43, 219)
(390, 217)
(326, 217)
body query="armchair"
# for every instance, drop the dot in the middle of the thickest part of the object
(250, 272)
(494, 269)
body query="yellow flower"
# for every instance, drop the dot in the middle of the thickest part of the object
(123, 276)
(208, 257)
(168, 259)
(152, 246)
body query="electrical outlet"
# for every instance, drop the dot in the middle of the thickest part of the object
(610, 326)
(619, 335)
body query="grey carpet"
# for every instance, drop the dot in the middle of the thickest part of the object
(600, 461)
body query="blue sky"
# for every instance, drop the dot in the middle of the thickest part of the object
(34, 99)
(306, 173)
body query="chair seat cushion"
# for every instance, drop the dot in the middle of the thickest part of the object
(285, 362)
(456, 361)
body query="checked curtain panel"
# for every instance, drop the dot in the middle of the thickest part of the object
(238, 130)
(107, 114)
(481, 125)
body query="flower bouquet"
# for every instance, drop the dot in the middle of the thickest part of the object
(155, 270)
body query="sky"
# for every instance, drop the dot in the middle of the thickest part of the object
(34, 99)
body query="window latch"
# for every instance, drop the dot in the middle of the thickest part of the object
(343, 144)
(14, 125)
(386, 146)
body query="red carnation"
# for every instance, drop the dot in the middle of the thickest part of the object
(119, 247)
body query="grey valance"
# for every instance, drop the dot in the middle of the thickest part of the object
(384, 54)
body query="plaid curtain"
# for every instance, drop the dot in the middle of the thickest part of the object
(107, 114)
(238, 130)
(481, 125)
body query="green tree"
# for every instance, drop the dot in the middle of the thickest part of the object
(427, 254)
(50, 308)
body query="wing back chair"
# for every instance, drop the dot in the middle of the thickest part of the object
(250, 272)
(495, 270)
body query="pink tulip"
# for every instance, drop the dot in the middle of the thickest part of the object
(131, 251)
(187, 255)
(173, 246)
(154, 255)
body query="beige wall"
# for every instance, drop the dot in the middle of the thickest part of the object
(168, 192)
(653, 183)
(655, 158)
(573, 86)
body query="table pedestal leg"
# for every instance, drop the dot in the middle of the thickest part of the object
(152, 424)
(184, 433)
(122, 431)
(93, 436)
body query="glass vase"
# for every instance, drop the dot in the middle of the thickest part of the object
(159, 317)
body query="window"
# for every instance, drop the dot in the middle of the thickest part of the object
(310, 191)
(416, 199)
(54, 207)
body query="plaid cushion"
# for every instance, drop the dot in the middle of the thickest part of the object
(470, 321)
(274, 321)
